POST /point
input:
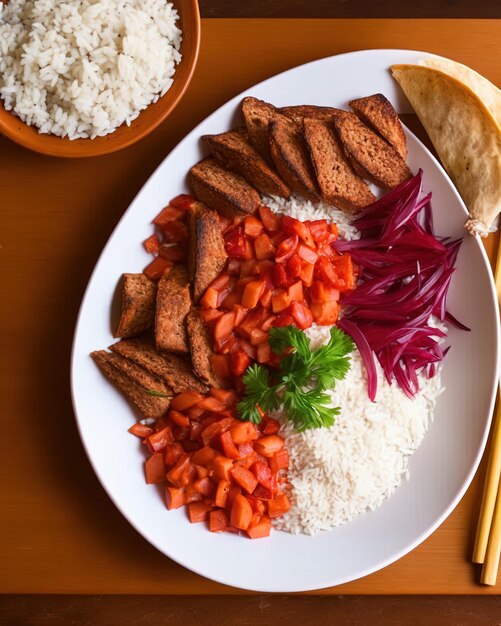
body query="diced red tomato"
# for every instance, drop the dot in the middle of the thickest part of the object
(269, 445)
(198, 511)
(182, 201)
(185, 400)
(140, 430)
(154, 469)
(286, 249)
(283, 319)
(262, 472)
(152, 244)
(218, 521)
(172, 453)
(252, 226)
(279, 461)
(241, 512)
(221, 467)
(263, 353)
(279, 275)
(269, 426)
(174, 232)
(158, 440)
(172, 253)
(169, 214)
(210, 299)
(279, 505)
(228, 446)
(319, 230)
(271, 221)
(264, 247)
(280, 302)
(292, 226)
(216, 429)
(174, 497)
(178, 418)
(325, 313)
(242, 432)
(239, 362)
(307, 273)
(321, 292)
(227, 397)
(259, 528)
(295, 292)
(244, 478)
(220, 364)
(294, 265)
(235, 243)
(252, 292)
(157, 268)
(307, 254)
(224, 326)
(301, 315)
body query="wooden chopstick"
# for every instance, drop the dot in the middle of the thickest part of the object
(488, 540)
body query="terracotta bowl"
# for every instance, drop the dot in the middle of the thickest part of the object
(29, 137)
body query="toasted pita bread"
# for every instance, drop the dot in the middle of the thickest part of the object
(465, 134)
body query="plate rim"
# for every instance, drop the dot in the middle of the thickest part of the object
(398, 554)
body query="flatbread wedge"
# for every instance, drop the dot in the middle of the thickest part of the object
(483, 88)
(466, 137)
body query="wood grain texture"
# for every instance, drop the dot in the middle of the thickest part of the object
(352, 8)
(59, 531)
(264, 610)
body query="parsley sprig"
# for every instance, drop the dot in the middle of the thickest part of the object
(300, 383)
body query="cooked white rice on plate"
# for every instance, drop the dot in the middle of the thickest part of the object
(338, 473)
(82, 68)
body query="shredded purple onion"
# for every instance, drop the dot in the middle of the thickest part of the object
(405, 273)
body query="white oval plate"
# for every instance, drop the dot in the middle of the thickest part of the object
(440, 470)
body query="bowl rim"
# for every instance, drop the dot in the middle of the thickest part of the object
(9, 130)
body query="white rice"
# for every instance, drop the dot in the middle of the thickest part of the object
(339, 473)
(82, 68)
(303, 209)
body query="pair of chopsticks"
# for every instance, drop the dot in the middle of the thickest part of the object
(488, 540)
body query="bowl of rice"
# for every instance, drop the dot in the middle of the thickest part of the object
(81, 78)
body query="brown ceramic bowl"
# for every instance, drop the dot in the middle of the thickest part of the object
(29, 137)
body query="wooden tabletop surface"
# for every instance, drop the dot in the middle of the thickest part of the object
(60, 534)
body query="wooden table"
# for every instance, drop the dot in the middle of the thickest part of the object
(59, 531)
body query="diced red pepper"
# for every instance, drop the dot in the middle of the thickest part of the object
(172, 453)
(279, 461)
(158, 440)
(169, 214)
(185, 400)
(239, 362)
(235, 243)
(228, 446)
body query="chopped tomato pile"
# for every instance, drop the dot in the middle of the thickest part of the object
(168, 242)
(230, 474)
(281, 272)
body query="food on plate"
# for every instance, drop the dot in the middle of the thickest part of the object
(202, 353)
(235, 151)
(257, 115)
(147, 392)
(137, 314)
(82, 69)
(465, 135)
(207, 256)
(483, 88)
(299, 387)
(315, 335)
(223, 190)
(377, 112)
(174, 371)
(371, 157)
(229, 474)
(291, 157)
(172, 307)
(339, 184)
(300, 112)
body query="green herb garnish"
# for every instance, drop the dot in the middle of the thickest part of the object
(300, 384)
(157, 394)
